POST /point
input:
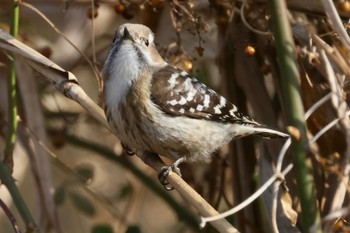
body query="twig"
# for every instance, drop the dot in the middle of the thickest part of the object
(341, 108)
(93, 67)
(318, 104)
(221, 194)
(249, 200)
(9, 182)
(274, 206)
(333, 54)
(10, 216)
(336, 214)
(332, 80)
(336, 22)
(336, 97)
(74, 92)
(94, 7)
(282, 154)
(277, 184)
(245, 22)
(326, 128)
(203, 207)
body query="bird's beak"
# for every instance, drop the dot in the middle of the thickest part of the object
(127, 35)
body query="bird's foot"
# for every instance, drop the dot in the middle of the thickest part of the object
(167, 170)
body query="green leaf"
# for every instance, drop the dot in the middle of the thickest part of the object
(83, 204)
(102, 228)
(59, 195)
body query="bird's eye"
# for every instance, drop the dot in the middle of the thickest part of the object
(146, 43)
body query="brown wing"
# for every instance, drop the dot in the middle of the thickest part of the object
(177, 93)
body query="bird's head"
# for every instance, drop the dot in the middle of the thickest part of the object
(134, 44)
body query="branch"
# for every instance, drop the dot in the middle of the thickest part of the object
(6, 178)
(203, 207)
(11, 94)
(6, 166)
(10, 217)
(336, 22)
(295, 112)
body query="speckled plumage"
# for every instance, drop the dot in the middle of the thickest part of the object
(155, 107)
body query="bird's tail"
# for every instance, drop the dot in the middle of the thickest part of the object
(266, 132)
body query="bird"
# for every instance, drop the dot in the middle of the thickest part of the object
(155, 107)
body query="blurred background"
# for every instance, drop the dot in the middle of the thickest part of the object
(73, 173)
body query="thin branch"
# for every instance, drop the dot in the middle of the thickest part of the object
(276, 187)
(326, 128)
(245, 22)
(8, 181)
(336, 22)
(249, 200)
(318, 104)
(92, 65)
(94, 8)
(282, 154)
(10, 216)
(332, 80)
(341, 107)
(333, 54)
(336, 214)
(277, 184)
(203, 207)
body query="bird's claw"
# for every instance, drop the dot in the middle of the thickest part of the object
(166, 171)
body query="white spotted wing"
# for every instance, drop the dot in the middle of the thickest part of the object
(177, 93)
